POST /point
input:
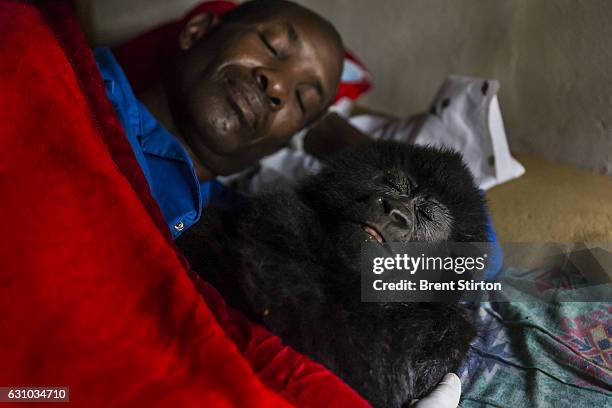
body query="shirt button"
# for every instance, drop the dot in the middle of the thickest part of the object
(179, 226)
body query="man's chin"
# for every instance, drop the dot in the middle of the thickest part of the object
(217, 138)
(221, 163)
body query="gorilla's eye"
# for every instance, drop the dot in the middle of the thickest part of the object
(430, 209)
(400, 185)
(396, 186)
(391, 180)
(426, 211)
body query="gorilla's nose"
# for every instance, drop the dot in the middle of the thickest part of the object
(397, 211)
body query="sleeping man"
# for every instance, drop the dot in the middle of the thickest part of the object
(242, 86)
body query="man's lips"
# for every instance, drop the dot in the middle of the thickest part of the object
(248, 103)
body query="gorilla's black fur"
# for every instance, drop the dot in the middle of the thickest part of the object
(287, 259)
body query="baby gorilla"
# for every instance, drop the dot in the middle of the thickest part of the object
(290, 260)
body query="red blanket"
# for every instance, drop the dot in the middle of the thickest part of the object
(93, 294)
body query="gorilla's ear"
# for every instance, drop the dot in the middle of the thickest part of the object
(195, 29)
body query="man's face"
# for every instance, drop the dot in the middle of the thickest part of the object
(240, 92)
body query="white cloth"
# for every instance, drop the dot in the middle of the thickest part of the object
(465, 116)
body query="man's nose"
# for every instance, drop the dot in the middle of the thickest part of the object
(274, 86)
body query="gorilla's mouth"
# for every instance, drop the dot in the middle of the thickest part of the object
(374, 233)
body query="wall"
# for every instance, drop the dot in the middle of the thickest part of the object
(553, 58)
(116, 20)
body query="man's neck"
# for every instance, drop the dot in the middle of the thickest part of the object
(155, 98)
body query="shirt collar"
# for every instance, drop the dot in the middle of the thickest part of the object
(116, 82)
(152, 137)
(155, 139)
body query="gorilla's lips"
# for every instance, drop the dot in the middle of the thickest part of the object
(373, 232)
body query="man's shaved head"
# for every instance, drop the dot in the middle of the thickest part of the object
(258, 10)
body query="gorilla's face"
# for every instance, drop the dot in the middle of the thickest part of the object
(387, 192)
(393, 208)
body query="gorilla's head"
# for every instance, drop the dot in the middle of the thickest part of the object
(390, 192)
(397, 193)
(290, 259)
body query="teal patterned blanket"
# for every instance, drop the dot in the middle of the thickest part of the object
(532, 353)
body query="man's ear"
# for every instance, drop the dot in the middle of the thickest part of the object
(195, 29)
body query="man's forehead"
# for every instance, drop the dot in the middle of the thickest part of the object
(299, 17)
(317, 40)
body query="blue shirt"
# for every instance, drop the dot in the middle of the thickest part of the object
(163, 160)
